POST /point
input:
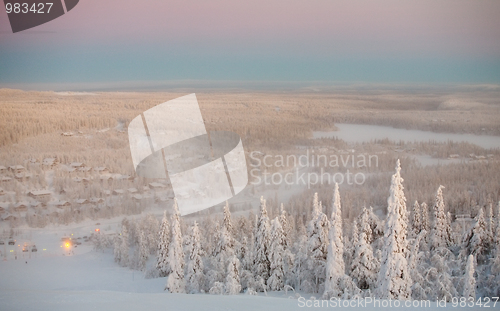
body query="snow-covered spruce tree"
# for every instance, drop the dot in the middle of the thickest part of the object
(227, 222)
(262, 243)
(425, 217)
(143, 250)
(317, 232)
(394, 279)
(283, 219)
(490, 226)
(163, 243)
(151, 226)
(175, 281)
(302, 275)
(124, 248)
(416, 221)
(364, 268)
(335, 268)
(469, 280)
(224, 247)
(288, 256)
(415, 263)
(350, 245)
(439, 274)
(117, 242)
(195, 276)
(495, 262)
(440, 233)
(475, 241)
(233, 285)
(276, 281)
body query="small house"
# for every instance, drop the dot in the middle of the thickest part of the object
(156, 186)
(137, 197)
(21, 207)
(16, 169)
(62, 204)
(81, 201)
(101, 170)
(5, 179)
(40, 194)
(21, 176)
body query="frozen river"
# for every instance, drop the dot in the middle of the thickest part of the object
(360, 133)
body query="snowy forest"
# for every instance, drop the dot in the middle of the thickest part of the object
(416, 252)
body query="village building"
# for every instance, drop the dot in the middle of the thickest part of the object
(5, 179)
(137, 197)
(16, 169)
(49, 163)
(96, 200)
(40, 195)
(21, 176)
(101, 170)
(62, 204)
(21, 207)
(3, 169)
(156, 186)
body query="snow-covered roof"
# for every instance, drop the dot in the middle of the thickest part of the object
(137, 196)
(39, 193)
(81, 201)
(76, 164)
(2, 168)
(132, 190)
(16, 167)
(5, 178)
(156, 185)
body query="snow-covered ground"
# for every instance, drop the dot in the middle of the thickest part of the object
(57, 279)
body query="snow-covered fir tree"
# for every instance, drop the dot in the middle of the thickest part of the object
(283, 219)
(416, 221)
(469, 280)
(425, 217)
(233, 285)
(117, 242)
(143, 250)
(317, 232)
(476, 240)
(440, 233)
(194, 276)
(415, 266)
(262, 243)
(394, 279)
(364, 268)
(335, 267)
(124, 248)
(163, 244)
(175, 281)
(276, 281)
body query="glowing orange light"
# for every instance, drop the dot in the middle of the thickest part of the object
(97, 230)
(67, 245)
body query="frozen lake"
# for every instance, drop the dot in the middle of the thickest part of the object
(360, 133)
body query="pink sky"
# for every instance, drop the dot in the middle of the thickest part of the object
(386, 26)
